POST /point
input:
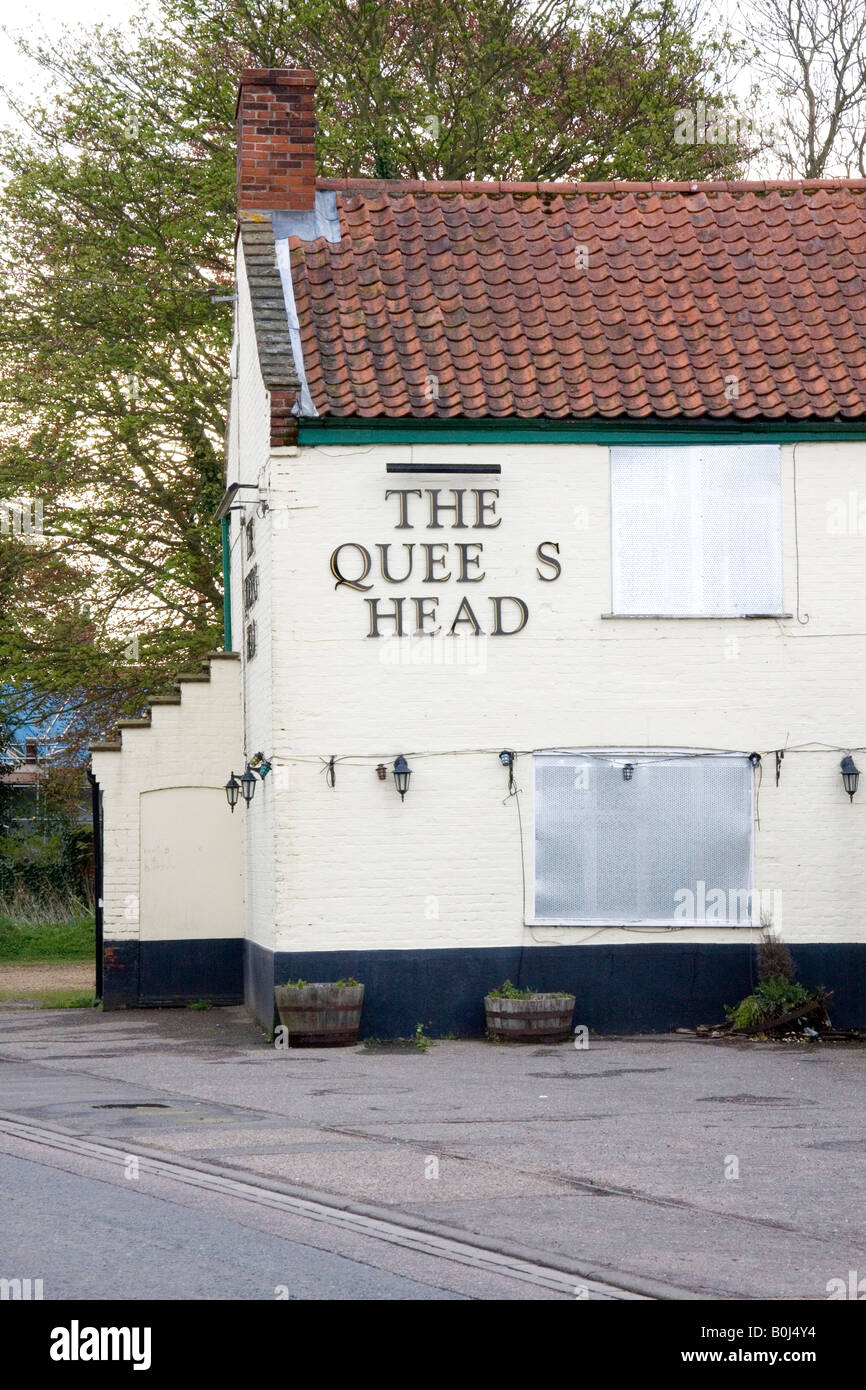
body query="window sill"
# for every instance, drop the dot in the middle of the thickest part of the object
(705, 925)
(699, 617)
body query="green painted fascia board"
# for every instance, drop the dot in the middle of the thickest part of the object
(227, 584)
(353, 430)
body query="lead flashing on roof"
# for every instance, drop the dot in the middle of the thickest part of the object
(322, 222)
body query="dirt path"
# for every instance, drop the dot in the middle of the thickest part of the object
(49, 975)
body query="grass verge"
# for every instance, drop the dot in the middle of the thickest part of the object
(70, 937)
(50, 998)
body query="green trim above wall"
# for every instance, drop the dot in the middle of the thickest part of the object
(227, 583)
(355, 430)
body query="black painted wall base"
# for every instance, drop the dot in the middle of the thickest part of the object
(619, 989)
(261, 973)
(645, 988)
(150, 973)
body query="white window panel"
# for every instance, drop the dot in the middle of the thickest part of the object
(670, 845)
(696, 532)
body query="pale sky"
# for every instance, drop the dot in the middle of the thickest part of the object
(53, 14)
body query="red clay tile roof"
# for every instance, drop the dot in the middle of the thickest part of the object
(553, 300)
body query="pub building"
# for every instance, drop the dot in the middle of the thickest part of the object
(544, 536)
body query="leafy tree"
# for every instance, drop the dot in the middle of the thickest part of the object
(116, 224)
(479, 89)
(115, 234)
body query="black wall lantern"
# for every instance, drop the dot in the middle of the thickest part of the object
(627, 772)
(248, 785)
(402, 773)
(850, 775)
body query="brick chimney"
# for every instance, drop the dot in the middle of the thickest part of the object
(275, 136)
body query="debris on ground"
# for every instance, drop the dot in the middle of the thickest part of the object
(807, 1022)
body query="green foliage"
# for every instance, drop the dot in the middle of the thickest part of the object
(480, 89)
(510, 991)
(70, 936)
(419, 1041)
(116, 220)
(746, 1014)
(420, 1038)
(46, 849)
(51, 998)
(8, 797)
(69, 999)
(348, 983)
(47, 865)
(201, 1004)
(771, 1000)
(777, 996)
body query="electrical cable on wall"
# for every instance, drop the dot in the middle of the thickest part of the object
(758, 767)
(328, 765)
(363, 759)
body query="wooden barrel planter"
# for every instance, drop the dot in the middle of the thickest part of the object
(320, 1015)
(541, 1018)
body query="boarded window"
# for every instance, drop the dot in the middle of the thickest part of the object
(696, 531)
(649, 837)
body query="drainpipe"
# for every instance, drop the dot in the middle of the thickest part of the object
(98, 876)
(227, 591)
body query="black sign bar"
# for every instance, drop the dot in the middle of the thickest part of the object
(443, 467)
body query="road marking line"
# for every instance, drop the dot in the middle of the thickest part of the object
(422, 1242)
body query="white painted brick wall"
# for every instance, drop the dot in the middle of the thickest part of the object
(191, 744)
(249, 461)
(352, 867)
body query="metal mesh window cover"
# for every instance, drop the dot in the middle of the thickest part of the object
(654, 838)
(696, 531)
